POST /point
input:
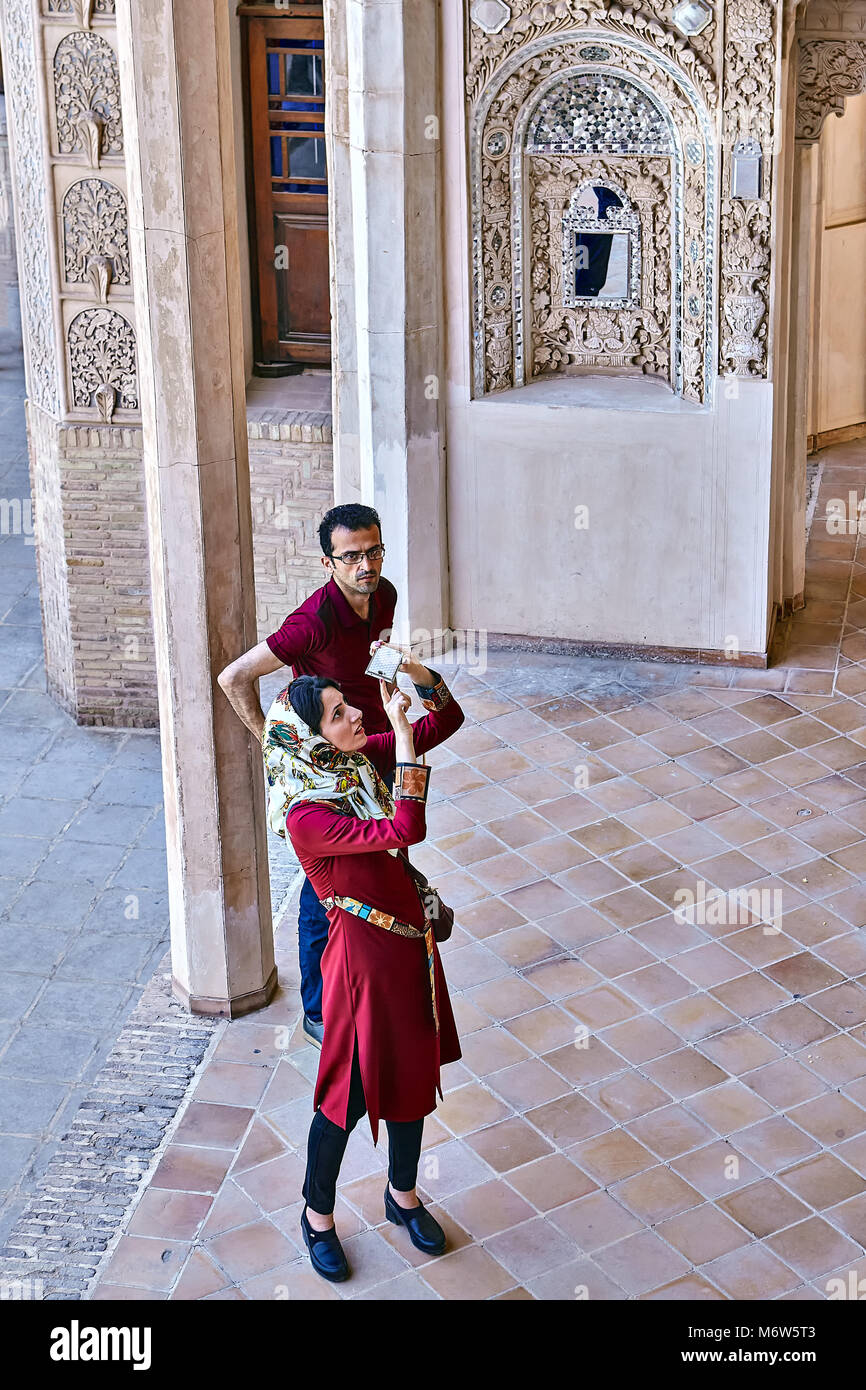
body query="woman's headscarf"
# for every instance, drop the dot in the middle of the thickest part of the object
(303, 766)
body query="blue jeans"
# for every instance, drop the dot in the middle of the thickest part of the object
(312, 940)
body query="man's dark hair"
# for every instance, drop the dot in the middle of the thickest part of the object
(353, 515)
(305, 698)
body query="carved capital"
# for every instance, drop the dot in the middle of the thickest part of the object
(829, 70)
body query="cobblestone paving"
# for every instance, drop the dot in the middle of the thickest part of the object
(644, 1108)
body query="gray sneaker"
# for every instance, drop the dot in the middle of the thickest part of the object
(313, 1032)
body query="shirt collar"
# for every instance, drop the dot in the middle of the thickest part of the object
(343, 608)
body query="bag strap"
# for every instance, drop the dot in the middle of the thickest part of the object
(421, 880)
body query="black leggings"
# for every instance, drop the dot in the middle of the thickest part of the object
(327, 1144)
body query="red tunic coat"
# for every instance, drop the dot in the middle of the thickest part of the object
(374, 981)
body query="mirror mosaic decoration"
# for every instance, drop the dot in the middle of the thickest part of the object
(593, 219)
(674, 101)
(601, 238)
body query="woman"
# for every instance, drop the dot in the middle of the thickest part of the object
(388, 1024)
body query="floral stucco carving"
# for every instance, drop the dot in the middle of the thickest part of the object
(539, 19)
(592, 335)
(828, 72)
(520, 329)
(87, 97)
(82, 10)
(19, 64)
(102, 362)
(748, 111)
(95, 229)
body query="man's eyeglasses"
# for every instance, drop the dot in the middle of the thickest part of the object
(354, 557)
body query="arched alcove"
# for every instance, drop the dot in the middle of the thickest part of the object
(573, 115)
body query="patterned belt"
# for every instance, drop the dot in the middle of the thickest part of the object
(389, 923)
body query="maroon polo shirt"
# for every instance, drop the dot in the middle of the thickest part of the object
(325, 637)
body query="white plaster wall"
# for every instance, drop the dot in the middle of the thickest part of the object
(843, 340)
(676, 553)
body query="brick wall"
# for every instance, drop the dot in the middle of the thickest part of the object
(105, 517)
(291, 486)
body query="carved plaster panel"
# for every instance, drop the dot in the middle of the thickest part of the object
(596, 335)
(83, 11)
(23, 107)
(829, 71)
(95, 231)
(102, 362)
(544, 19)
(87, 97)
(832, 18)
(537, 93)
(749, 101)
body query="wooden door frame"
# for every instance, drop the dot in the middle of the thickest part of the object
(263, 292)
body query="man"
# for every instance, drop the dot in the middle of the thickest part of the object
(328, 635)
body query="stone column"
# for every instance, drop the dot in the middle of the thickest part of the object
(176, 95)
(388, 431)
(344, 357)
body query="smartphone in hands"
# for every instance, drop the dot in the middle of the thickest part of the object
(385, 663)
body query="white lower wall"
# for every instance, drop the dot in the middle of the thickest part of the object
(676, 550)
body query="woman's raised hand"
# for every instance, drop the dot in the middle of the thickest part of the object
(396, 704)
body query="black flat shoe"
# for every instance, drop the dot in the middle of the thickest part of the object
(424, 1230)
(326, 1253)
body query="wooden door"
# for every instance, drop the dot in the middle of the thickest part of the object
(288, 198)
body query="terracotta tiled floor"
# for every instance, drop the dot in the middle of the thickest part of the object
(645, 1108)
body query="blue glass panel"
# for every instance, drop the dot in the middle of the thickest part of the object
(297, 125)
(276, 156)
(306, 158)
(318, 188)
(274, 72)
(296, 105)
(304, 74)
(296, 43)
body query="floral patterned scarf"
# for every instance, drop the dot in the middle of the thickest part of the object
(303, 766)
